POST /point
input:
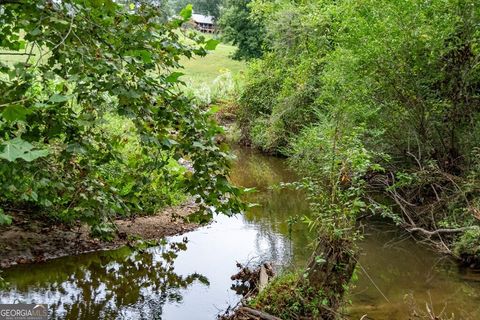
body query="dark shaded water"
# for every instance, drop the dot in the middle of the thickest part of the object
(192, 281)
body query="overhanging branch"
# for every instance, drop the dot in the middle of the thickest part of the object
(439, 231)
(10, 2)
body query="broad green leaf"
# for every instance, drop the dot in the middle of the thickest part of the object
(211, 44)
(169, 142)
(57, 98)
(186, 12)
(15, 113)
(145, 55)
(20, 149)
(174, 77)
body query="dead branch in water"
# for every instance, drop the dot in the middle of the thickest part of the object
(249, 282)
(428, 312)
(256, 314)
(424, 203)
(439, 231)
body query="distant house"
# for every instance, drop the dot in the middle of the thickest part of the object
(203, 23)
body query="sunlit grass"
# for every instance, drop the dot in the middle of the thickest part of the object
(214, 77)
(204, 70)
(207, 78)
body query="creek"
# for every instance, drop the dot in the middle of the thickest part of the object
(192, 281)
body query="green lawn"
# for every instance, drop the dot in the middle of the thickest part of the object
(199, 71)
(203, 70)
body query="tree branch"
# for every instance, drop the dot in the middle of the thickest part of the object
(439, 231)
(10, 2)
(258, 314)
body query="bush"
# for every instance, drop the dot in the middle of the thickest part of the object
(284, 295)
(468, 245)
(393, 82)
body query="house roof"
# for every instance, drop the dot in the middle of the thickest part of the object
(200, 18)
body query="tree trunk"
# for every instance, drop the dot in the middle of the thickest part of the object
(329, 271)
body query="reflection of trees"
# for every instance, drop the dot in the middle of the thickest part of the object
(116, 285)
(256, 170)
(271, 222)
(276, 206)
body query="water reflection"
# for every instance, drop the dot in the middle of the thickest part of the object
(154, 285)
(276, 207)
(119, 284)
(395, 268)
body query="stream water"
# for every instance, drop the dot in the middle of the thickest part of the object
(192, 281)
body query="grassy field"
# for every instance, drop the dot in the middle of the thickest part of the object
(212, 78)
(204, 70)
(200, 72)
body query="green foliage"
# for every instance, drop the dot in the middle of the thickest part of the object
(92, 122)
(334, 163)
(186, 12)
(468, 245)
(283, 88)
(240, 27)
(19, 149)
(286, 298)
(256, 101)
(206, 7)
(282, 298)
(5, 219)
(3, 284)
(348, 84)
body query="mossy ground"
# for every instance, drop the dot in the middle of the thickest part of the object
(288, 298)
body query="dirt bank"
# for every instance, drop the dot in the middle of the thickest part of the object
(29, 241)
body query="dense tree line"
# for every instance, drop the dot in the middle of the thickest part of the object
(371, 98)
(242, 28)
(206, 7)
(384, 90)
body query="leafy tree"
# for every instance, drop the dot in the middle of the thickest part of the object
(92, 122)
(210, 7)
(366, 97)
(242, 28)
(206, 7)
(401, 77)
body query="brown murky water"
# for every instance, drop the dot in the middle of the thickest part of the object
(192, 281)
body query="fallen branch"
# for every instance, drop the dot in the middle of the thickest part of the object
(440, 231)
(258, 314)
(249, 282)
(253, 279)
